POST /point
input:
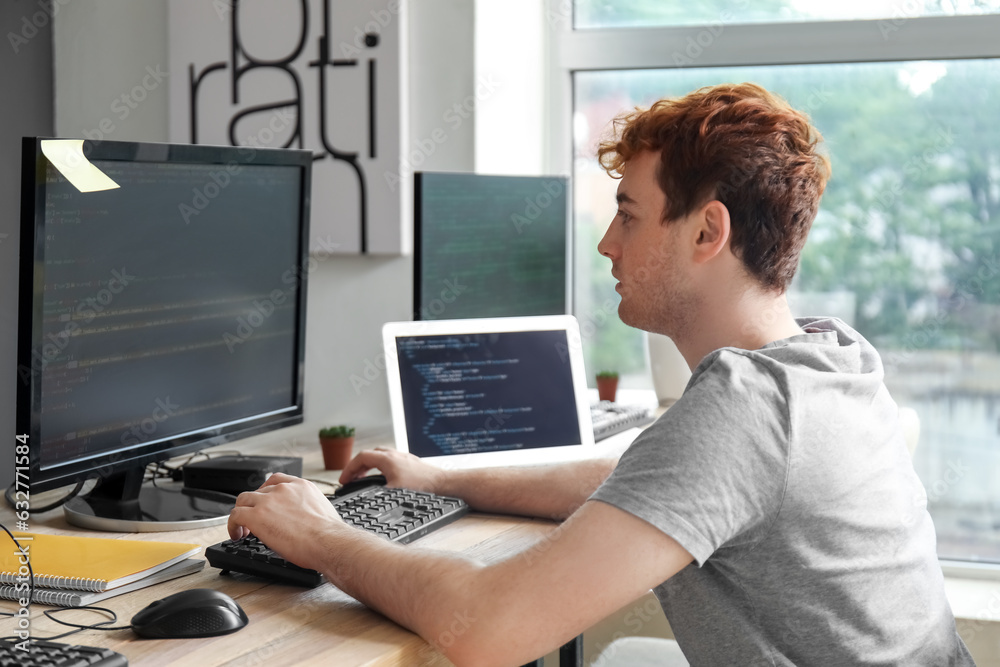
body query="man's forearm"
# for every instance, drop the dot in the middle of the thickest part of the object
(551, 492)
(430, 592)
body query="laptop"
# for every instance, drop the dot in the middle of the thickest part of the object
(489, 391)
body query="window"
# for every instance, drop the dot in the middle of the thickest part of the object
(906, 247)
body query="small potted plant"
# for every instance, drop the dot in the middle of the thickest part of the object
(607, 385)
(338, 444)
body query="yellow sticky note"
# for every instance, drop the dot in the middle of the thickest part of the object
(67, 156)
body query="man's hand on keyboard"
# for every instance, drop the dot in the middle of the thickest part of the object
(400, 469)
(289, 514)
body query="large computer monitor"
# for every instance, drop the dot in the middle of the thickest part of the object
(161, 311)
(490, 246)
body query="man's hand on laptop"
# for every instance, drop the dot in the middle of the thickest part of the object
(400, 469)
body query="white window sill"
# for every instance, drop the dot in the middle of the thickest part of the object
(973, 592)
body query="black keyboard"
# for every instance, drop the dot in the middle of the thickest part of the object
(609, 418)
(400, 515)
(56, 654)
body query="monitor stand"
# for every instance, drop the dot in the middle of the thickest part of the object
(123, 503)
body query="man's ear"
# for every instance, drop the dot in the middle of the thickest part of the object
(712, 231)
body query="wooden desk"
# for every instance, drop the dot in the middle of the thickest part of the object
(288, 625)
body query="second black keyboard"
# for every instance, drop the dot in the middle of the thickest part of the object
(43, 653)
(400, 515)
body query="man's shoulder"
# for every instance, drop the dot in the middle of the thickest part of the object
(731, 400)
(732, 371)
(826, 347)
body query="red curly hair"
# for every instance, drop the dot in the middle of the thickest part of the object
(745, 147)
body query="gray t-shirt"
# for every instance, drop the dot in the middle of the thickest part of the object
(784, 472)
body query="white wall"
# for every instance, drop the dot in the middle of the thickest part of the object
(511, 70)
(103, 48)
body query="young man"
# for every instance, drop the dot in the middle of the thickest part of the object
(773, 508)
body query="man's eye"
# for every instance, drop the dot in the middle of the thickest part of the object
(625, 217)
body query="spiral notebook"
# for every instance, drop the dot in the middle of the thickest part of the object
(94, 564)
(73, 598)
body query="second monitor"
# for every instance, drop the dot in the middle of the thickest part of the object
(490, 246)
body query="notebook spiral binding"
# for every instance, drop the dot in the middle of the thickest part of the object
(49, 581)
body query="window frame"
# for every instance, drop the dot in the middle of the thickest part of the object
(896, 39)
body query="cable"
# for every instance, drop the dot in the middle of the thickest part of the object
(9, 496)
(101, 625)
(160, 471)
(175, 472)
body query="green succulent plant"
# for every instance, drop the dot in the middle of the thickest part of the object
(336, 432)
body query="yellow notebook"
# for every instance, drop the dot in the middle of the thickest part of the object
(89, 563)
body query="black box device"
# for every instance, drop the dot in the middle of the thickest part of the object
(236, 474)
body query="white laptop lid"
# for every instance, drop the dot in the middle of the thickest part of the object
(489, 391)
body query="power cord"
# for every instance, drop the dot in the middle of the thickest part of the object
(160, 470)
(101, 625)
(9, 496)
(176, 472)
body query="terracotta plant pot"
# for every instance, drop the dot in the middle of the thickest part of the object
(336, 452)
(607, 387)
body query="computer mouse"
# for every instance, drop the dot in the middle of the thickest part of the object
(198, 612)
(360, 483)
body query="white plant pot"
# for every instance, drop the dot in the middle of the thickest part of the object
(670, 370)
